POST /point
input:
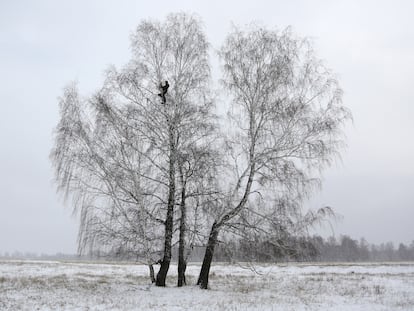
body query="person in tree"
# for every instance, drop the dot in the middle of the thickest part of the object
(164, 90)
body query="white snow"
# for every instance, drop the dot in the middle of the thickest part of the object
(48, 285)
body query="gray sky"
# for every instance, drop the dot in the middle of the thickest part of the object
(369, 44)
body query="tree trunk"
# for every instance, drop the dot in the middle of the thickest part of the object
(208, 257)
(212, 240)
(165, 263)
(151, 271)
(182, 264)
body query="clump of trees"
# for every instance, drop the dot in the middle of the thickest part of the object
(149, 165)
(312, 249)
(347, 249)
(294, 249)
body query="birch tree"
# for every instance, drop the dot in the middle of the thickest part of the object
(286, 118)
(119, 151)
(176, 51)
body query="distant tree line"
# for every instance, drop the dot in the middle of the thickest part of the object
(314, 248)
(305, 249)
(37, 256)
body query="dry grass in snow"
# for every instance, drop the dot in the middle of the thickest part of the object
(41, 285)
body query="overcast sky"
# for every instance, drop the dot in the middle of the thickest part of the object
(369, 44)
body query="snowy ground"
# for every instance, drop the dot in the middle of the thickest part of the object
(47, 285)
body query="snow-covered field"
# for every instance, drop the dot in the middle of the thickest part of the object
(48, 285)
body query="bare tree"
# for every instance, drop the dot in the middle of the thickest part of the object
(286, 117)
(176, 51)
(146, 142)
(118, 152)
